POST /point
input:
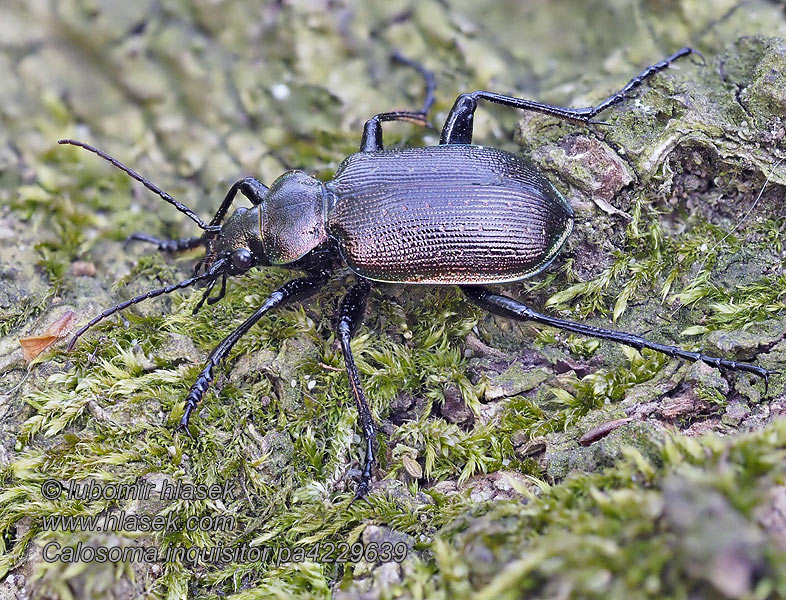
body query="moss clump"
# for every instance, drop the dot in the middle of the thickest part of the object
(687, 523)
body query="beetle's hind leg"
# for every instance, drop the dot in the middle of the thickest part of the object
(458, 125)
(350, 315)
(372, 130)
(508, 307)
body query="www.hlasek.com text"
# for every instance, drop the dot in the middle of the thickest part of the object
(120, 520)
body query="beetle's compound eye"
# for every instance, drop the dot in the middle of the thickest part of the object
(242, 259)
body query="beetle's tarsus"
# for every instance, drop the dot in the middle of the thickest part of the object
(699, 54)
(296, 289)
(428, 77)
(183, 427)
(766, 377)
(361, 492)
(459, 123)
(371, 140)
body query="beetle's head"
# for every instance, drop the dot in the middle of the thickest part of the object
(286, 223)
(230, 249)
(284, 227)
(236, 242)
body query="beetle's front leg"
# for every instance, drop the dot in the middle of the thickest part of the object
(248, 186)
(251, 188)
(296, 289)
(512, 309)
(350, 315)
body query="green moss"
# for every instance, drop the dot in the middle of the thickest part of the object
(634, 530)
(188, 97)
(560, 408)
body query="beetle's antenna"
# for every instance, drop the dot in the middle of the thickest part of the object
(146, 182)
(217, 268)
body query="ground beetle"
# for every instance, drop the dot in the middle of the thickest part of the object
(456, 213)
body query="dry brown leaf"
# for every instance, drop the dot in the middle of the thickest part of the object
(412, 466)
(34, 345)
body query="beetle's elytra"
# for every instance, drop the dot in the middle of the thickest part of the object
(441, 223)
(456, 213)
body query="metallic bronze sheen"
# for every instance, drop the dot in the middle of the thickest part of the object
(292, 220)
(450, 214)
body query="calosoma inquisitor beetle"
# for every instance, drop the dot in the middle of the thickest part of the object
(456, 213)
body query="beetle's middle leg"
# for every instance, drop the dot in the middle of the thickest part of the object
(350, 315)
(458, 126)
(296, 289)
(371, 141)
(512, 309)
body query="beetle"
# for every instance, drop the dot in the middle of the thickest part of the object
(452, 214)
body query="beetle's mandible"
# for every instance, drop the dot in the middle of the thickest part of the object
(456, 213)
